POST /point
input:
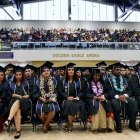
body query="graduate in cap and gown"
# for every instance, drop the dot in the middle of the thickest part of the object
(78, 73)
(5, 94)
(9, 73)
(29, 71)
(98, 106)
(57, 76)
(72, 91)
(83, 72)
(103, 75)
(20, 102)
(118, 91)
(45, 93)
(88, 72)
(60, 73)
(135, 85)
(109, 70)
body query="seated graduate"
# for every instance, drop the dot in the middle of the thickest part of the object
(20, 103)
(45, 94)
(98, 106)
(78, 73)
(135, 85)
(72, 92)
(9, 73)
(118, 91)
(5, 94)
(29, 73)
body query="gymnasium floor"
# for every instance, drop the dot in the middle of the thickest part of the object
(77, 134)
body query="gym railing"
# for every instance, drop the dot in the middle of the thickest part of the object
(75, 45)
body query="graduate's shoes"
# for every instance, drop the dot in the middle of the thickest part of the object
(45, 130)
(66, 126)
(134, 128)
(70, 128)
(7, 124)
(17, 135)
(119, 130)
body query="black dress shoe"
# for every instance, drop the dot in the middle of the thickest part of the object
(134, 128)
(7, 124)
(18, 134)
(119, 130)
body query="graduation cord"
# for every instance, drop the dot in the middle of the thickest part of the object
(138, 77)
(119, 102)
(68, 89)
(75, 88)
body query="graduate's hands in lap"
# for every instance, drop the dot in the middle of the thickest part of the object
(122, 98)
(71, 98)
(100, 98)
(25, 96)
(16, 95)
(51, 100)
(42, 100)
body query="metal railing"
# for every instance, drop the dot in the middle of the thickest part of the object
(76, 45)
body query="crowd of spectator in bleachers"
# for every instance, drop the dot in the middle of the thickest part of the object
(69, 35)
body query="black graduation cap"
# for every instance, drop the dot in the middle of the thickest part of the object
(2, 69)
(101, 64)
(78, 69)
(110, 67)
(126, 67)
(117, 65)
(137, 66)
(132, 68)
(29, 67)
(47, 64)
(18, 69)
(70, 65)
(96, 71)
(63, 68)
(83, 69)
(9, 66)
